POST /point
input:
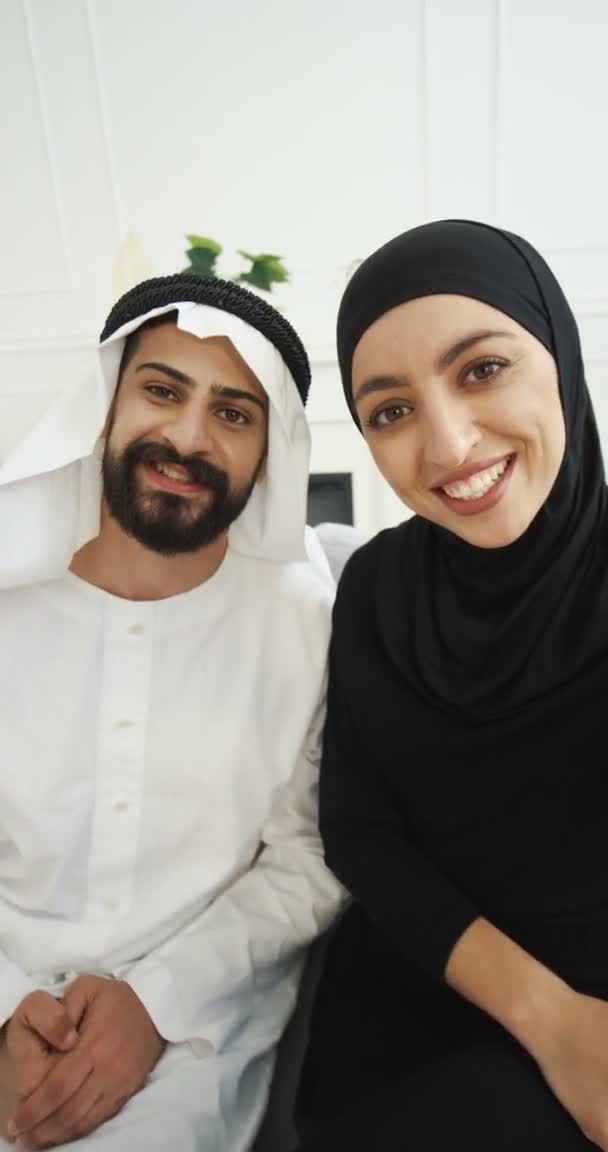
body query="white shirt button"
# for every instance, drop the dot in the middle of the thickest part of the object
(120, 806)
(124, 723)
(135, 629)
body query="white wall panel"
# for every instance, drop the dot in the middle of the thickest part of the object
(32, 241)
(266, 124)
(462, 62)
(554, 97)
(316, 130)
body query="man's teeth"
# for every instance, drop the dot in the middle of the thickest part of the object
(174, 472)
(476, 486)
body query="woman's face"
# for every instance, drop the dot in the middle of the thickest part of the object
(460, 408)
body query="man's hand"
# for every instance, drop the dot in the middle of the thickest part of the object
(118, 1047)
(31, 1042)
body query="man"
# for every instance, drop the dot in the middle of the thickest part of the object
(160, 710)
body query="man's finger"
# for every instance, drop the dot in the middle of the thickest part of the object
(62, 1082)
(34, 1066)
(76, 1000)
(46, 1016)
(70, 1121)
(99, 1114)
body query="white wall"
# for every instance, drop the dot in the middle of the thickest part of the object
(313, 128)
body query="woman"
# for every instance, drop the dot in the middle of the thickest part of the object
(464, 787)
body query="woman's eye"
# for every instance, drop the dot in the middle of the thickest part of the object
(161, 391)
(484, 370)
(388, 415)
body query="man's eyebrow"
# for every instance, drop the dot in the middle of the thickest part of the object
(224, 390)
(173, 373)
(386, 382)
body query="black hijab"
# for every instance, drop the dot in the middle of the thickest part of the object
(484, 633)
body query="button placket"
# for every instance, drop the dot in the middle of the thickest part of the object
(123, 716)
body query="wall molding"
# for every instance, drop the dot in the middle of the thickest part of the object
(104, 119)
(48, 143)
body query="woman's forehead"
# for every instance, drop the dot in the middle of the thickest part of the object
(426, 324)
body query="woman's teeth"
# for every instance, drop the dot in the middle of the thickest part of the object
(476, 486)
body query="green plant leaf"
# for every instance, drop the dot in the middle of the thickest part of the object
(266, 269)
(205, 242)
(257, 278)
(264, 256)
(202, 261)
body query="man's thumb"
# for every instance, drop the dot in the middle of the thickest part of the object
(48, 1017)
(75, 1001)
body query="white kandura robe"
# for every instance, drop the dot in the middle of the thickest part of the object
(149, 750)
(158, 795)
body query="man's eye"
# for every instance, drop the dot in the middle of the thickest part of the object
(233, 416)
(161, 391)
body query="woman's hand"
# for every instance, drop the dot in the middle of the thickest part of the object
(565, 1032)
(572, 1053)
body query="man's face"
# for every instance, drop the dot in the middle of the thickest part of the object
(186, 440)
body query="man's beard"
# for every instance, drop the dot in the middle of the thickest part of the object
(165, 522)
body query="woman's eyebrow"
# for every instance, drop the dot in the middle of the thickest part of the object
(455, 350)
